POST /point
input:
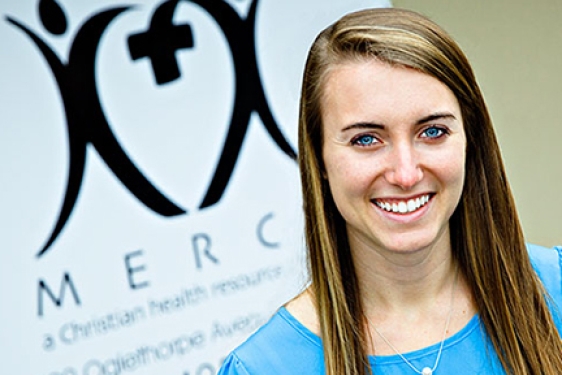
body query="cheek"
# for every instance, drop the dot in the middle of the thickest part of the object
(345, 188)
(349, 176)
(452, 169)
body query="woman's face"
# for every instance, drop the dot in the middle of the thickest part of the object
(394, 154)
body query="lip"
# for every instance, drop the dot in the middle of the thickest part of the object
(403, 217)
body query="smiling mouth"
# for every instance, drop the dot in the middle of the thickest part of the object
(403, 206)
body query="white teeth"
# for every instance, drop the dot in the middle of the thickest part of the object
(411, 205)
(403, 207)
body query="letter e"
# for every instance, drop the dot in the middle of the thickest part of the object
(131, 270)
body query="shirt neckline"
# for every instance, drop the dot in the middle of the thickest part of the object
(392, 358)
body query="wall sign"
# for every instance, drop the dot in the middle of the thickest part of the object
(151, 206)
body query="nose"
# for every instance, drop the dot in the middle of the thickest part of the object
(403, 167)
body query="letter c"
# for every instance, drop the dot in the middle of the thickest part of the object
(259, 232)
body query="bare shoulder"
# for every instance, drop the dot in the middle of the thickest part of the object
(303, 309)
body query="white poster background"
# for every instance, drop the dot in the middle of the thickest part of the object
(205, 279)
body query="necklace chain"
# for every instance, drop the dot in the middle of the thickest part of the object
(425, 370)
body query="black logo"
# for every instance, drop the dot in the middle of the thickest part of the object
(87, 124)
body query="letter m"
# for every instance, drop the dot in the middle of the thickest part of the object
(43, 288)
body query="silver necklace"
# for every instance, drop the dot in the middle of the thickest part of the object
(426, 370)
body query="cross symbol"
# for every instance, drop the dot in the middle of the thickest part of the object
(160, 43)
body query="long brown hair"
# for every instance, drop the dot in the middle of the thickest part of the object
(486, 236)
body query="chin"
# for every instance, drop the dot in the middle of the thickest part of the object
(410, 243)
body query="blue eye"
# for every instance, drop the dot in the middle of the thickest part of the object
(433, 132)
(364, 140)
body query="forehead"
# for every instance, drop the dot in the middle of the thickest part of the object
(371, 90)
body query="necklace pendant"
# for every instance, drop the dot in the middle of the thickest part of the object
(427, 371)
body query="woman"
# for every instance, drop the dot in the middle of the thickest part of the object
(416, 254)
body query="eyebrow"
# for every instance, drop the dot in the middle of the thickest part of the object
(436, 116)
(363, 125)
(423, 120)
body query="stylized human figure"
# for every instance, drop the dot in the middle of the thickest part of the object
(87, 123)
(249, 93)
(85, 120)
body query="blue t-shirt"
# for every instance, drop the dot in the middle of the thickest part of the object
(286, 347)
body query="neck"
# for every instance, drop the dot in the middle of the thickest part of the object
(403, 281)
(408, 295)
